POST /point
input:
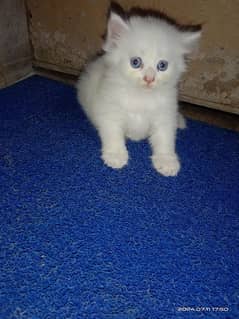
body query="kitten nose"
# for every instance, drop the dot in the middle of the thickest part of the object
(148, 79)
(149, 76)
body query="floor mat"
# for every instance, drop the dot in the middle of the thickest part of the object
(80, 240)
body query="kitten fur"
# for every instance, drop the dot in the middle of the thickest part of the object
(137, 103)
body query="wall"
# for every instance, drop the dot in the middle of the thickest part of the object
(15, 52)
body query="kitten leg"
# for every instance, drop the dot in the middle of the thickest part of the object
(181, 121)
(114, 151)
(164, 158)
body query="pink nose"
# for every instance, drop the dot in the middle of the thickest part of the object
(148, 79)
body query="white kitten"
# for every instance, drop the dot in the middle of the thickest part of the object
(131, 91)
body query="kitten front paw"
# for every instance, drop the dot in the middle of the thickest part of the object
(167, 165)
(115, 159)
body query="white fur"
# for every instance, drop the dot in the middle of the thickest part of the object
(122, 105)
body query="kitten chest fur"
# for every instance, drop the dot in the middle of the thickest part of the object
(142, 111)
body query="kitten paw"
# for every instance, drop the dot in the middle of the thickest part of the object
(116, 159)
(166, 165)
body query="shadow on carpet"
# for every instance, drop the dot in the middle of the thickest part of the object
(80, 240)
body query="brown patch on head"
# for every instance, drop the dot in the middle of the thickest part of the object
(115, 7)
(157, 14)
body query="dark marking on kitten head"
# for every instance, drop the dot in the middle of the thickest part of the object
(116, 8)
(157, 14)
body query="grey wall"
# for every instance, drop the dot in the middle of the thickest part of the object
(15, 51)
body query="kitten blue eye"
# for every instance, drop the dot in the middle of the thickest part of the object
(136, 62)
(162, 65)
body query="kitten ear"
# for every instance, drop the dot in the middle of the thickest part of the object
(115, 29)
(190, 40)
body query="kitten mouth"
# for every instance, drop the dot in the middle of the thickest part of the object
(149, 85)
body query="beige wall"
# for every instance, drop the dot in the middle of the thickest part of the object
(15, 53)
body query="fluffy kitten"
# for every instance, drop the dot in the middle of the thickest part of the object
(131, 91)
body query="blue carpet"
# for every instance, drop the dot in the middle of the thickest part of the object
(80, 240)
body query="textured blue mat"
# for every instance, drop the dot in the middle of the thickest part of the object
(79, 240)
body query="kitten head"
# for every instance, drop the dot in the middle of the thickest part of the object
(148, 51)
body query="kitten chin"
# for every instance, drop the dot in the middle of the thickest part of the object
(131, 90)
